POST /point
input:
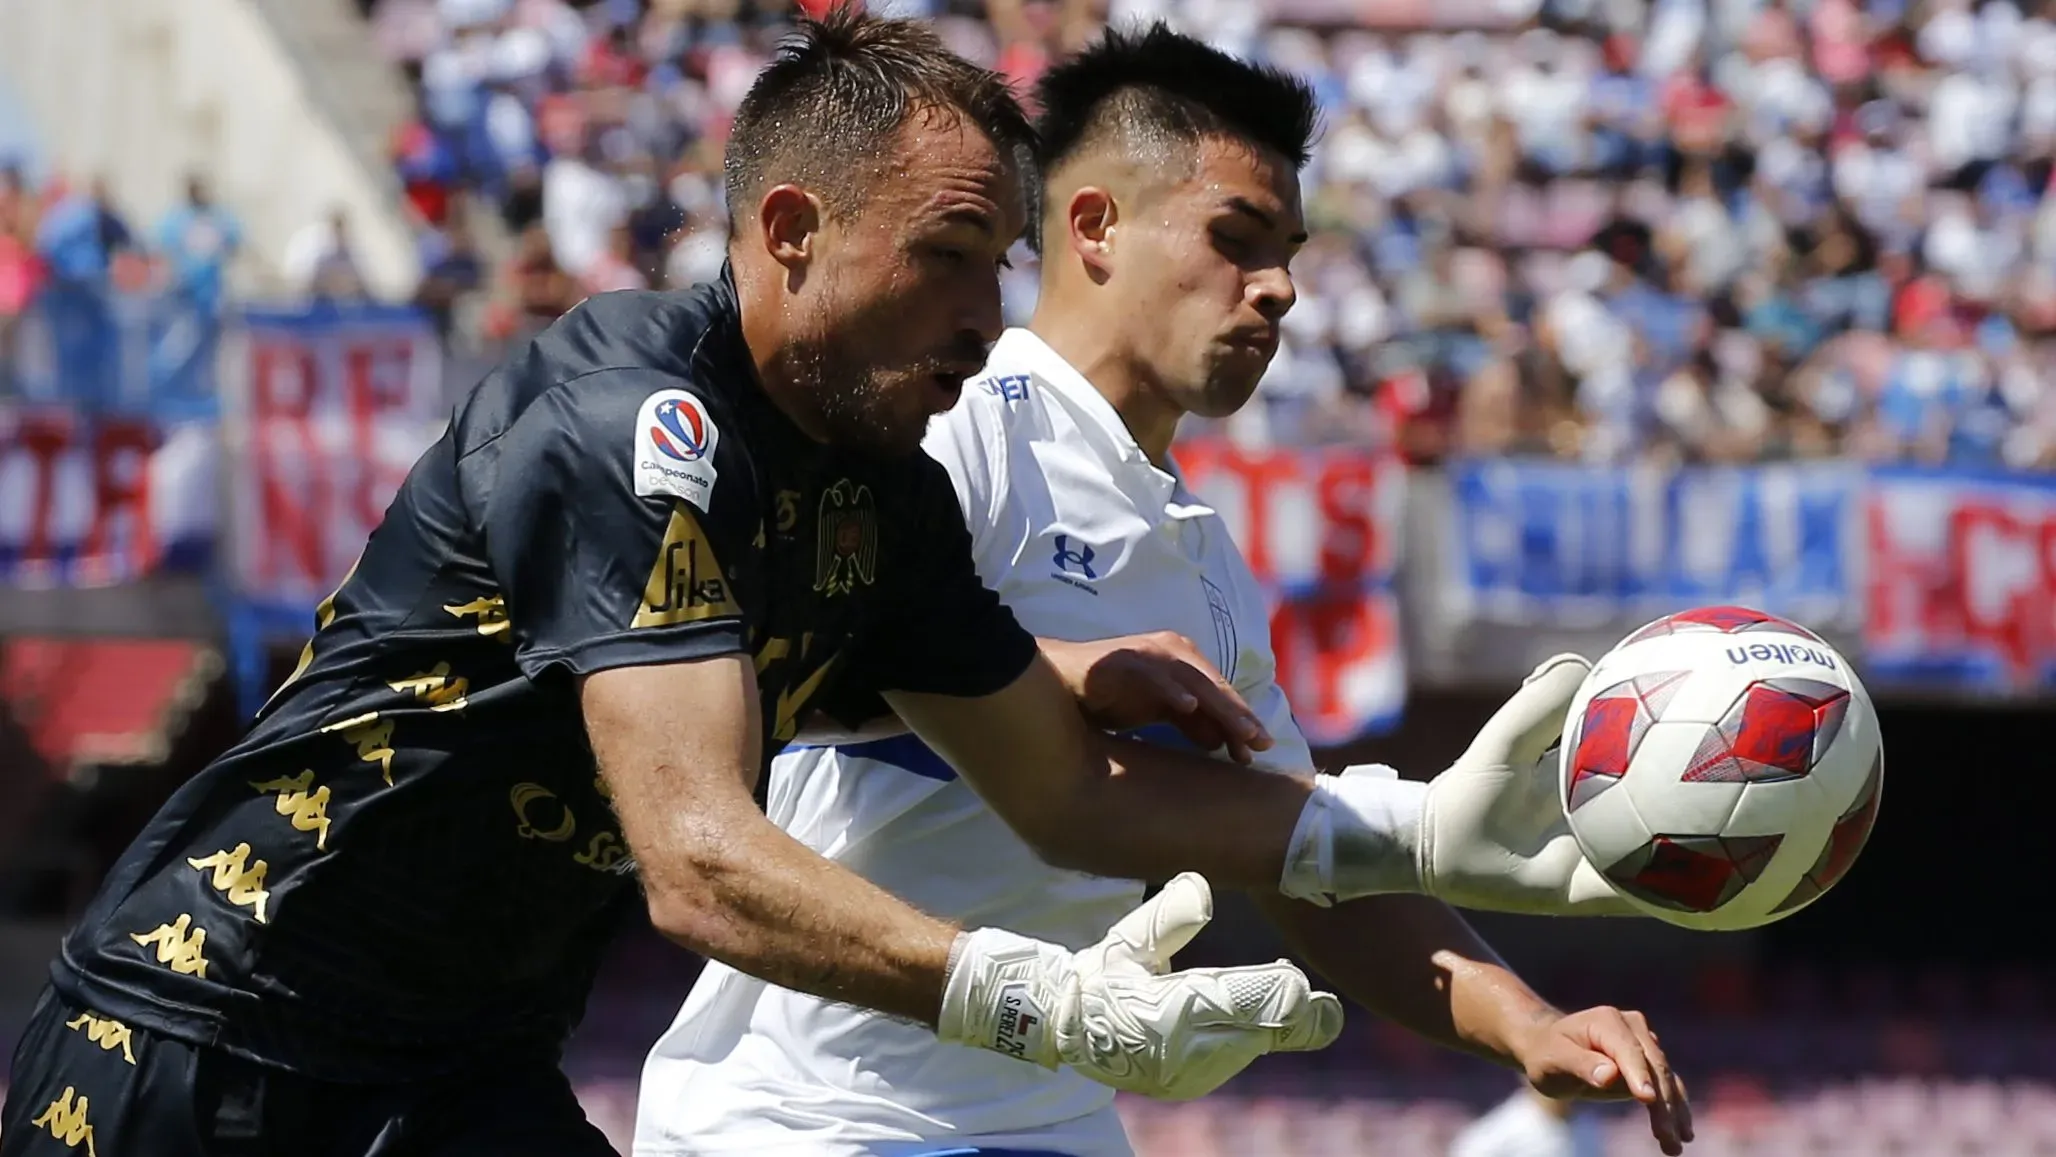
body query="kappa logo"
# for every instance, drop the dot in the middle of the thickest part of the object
(65, 1120)
(674, 448)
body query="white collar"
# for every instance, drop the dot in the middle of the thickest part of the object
(1024, 349)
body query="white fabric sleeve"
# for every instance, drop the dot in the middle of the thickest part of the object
(1289, 753)
(970, 441)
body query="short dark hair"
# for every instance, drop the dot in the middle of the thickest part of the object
(1154, 81)
(824, 111)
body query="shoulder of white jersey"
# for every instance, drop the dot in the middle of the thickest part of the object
(970, 440)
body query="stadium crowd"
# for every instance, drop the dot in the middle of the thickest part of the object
(1693, 230)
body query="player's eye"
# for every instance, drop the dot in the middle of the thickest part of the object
(1230, 246)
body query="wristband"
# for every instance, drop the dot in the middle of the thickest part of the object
(1358, 835)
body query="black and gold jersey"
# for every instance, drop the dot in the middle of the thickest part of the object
(410, 860)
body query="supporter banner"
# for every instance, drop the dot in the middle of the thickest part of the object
(1962, 588)
(94, 501)
(1321, 528)
(99, 351)
(324, 413)
(1569, 546)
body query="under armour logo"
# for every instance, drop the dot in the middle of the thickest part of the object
(1068, 560)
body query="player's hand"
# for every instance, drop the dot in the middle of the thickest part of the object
(1138, 680)
(1606, 1054)
(1116, 1013)
(1493, 834)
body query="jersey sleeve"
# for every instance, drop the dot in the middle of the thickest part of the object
(623, 526)
(944, 632)
(1289, 752)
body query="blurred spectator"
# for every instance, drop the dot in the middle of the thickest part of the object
(1526, 1124)
(80, 235)
(318, 262)
(1689, 230)
(21, 269)
(451, 268)
(197, 240)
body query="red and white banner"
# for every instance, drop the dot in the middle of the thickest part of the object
(1321, 529)
(1962, 580)
(88, 501)
(324, 414)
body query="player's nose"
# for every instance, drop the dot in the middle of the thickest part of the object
(1272, 293)
(980, 312)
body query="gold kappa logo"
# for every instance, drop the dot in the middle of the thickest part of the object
(847, 543)
(686, 585)
(241, 881)
(307, 810)
(491, 613)
(179, 945)
(108, 1034)
(373, 738)
(435, 687)
(65, 1120)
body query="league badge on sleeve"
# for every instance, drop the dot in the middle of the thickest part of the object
(674, 448)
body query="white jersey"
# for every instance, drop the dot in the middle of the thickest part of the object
(1085, 539)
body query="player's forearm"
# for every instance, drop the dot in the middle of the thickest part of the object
(759, 901)
(1154, 812)
(1416, 962)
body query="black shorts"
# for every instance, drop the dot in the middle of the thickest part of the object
(86, 1086)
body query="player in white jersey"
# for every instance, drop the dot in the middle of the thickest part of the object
(1170, 212)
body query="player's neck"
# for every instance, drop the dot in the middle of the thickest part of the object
(773, 357)
(1097, 351)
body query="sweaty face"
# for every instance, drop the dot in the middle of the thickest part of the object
(905, 289)
(1204, 268)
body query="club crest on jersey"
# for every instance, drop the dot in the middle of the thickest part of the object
(847, 530)
(674, 448)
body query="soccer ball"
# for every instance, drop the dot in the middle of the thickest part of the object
(1721, 768)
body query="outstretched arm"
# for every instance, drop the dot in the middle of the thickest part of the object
(1415, 961)
(1114, 807)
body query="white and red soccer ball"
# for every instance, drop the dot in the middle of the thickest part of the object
(1721, 767)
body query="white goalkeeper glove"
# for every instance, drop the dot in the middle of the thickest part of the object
(1489, 833)
(1116, 1013)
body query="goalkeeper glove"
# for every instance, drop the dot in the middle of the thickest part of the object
(1116, 1013)
(1489, 833)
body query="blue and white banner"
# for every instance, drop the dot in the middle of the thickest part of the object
(1571, 546)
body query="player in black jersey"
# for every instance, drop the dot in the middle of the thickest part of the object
(595, 608)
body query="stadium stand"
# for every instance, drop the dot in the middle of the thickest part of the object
(1680, 231)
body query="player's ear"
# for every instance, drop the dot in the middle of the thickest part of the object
(789, 220)
(1089, 220)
